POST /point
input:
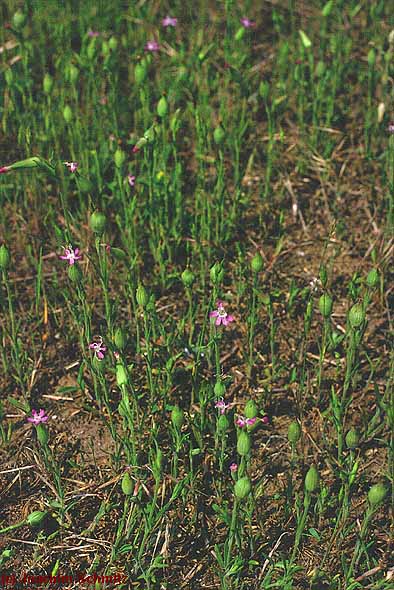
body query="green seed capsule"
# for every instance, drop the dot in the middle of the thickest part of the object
(219, 135)
(42, 434)
(5, 257)
(352, 438)
(19, 20)
(294, 432)
(35, 518)
(242, 488)
(240, 33)
(244, 443)
(257, 263)
(140, 73)
(73, 73)
(325, 305)
(371, 58)
(84, 185)
(323, 275)
(113, 43)
(251, 409)
(119, 339)
(312, 479)
(216, 273)
(67, 114)
(177, 417)
(119, 158)
(320, 69)
(377, 494)
(356, 316)
(74, 273)
(373, 278)
(91, 49)
(47, 84)
(127, 484)
(98, 222)
(223, 423)
(142, 296)
(162, 107)
(219, 389)
(188, 278)
(121, 375)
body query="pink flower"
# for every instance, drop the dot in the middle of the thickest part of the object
(93, 33)
(169, 21)
(38, 417)
(103, 100)
(248, 24)
(221, 316)
(131, 179)
(233, 467)
(265, 420)
(71, 255)
(222, 406)
(390, 129)
(152, 46)
(135, 149)
(72, 166)
(4, 169)
(241, 421)
(99, 348)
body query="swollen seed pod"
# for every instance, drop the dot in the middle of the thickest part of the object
(119, 158)
(127, 484)
(223, 423)
(188, 278)
(320, 69)
(73, 73)
(264, 89)
(19, 20)
(219, 389)
(216, 273)
(47, 84)
(371, 57)
(242, 488)
(140, 73)
(352, 439)
(162, 107)
(113, 43)
(323, 275)
(84, 185)
(325, 305)
(294, 432)
(377, 494)
(356, 316)
(35, 518)
(119, 338)
(177, 417)
(5, 257)
(91, 50)
(257, 263)
(251, 409)
(312, 479)
(121, 375)
(240, 33)
(98, 222)
(142, 296)
(219, 135)
(244, 443)
(42, 434)
(74, 273)
(373, 278)
(67, 114)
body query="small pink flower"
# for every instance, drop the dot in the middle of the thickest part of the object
(390, 129)
(265, 420)
(248, 24)
(72, 166)
(241, 421)
(131, 179)
(93, 33)
(38, 417)
(221, 315)
(99, 348)
(103, 100)
(169, 21)
(4, 169)
(135, 149)
(152, 46)
(71, 255)
(233, 467)
(222, 406)
(116, 355)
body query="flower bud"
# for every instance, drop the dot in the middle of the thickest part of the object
(356, 316)
(223, 424)
(323, 275)
(119, 338)
(244, 443)
(98, 222)
(188, 278)
(242, 488)
(251, 409)
(294, 432)
(219, 389)
(119, 158)
(371, 57)
(142, 296)
(219, 135)
(377, 494)
(140, 73)
(352, 439)
(257, 263)
(42, 434)
(35, 518)
(91, 50)
(67, 114)
(127, 484)
(47, 83)
(325, 305)
(162, 107)
(373, 278)
(19, 20)
(5, 257)
(312, 479)
(121, 375)
(177, 417)
(240, 33)
(74, 273)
